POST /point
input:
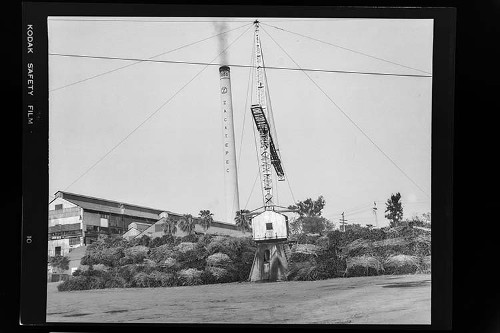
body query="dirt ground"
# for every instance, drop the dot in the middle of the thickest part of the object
(399, 299)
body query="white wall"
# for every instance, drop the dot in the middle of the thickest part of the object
(69, 214)
(58, 201)
(259, 225)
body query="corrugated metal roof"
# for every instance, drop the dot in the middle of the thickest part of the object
(114, 210)
(69, 195)
(116, 207)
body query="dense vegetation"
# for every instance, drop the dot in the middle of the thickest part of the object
(163, 262)
(205, 259)
(317, 252)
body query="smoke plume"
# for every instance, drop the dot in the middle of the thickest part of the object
(220, 27)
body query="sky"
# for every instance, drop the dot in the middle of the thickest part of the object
(355, 141)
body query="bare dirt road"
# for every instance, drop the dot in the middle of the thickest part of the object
(401, 299)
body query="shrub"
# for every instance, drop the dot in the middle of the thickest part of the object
(305, 248)
(207, 277)
(301, 271)
(89, 279)
(143, 240)
(74, 283)
(304, 238)
(170, 262)
(165, 239)
(115, 281)
(100, 267)
(192, 238)
(190, 277)
(216, 275)
(243, 265)
(191, 259)
(161, 253)
(219, 260)
(329, 264)
(128, 272)
(141, 280)
(163, 279)
(109, 256)
(184, 247)
(363, 266)
(425, 264)
(136, 253)
(227, 245)
(205, 239)
(401, 264)
(322, 242)
(300, 256)
(154, 279)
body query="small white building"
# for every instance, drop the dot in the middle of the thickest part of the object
(270, 232)
(269, 225)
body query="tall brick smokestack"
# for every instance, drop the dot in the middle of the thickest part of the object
(230, 168)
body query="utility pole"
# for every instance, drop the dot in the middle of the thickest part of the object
(343, 222)
(375, 213)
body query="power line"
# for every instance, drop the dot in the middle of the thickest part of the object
(244, 118)
(250, 79)
(349, 118)
(253, 186)
(314, 19)
(348, 49)
(151, 115)
(360, 211)
(234, 65)
(155, 56)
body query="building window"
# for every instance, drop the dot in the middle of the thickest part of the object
(269, 226)
(58, 207)
(104, 220)
(74, 241)
(92, 228)
(267, 256)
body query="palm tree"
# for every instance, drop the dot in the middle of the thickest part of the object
(242, 220)
(187, 223)
(170, 226)
(206, 218)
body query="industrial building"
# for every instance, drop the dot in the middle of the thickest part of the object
(77, 220)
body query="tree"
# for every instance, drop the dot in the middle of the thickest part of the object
(309, 207)
(314, 224)
(310, 219)
(295, 226)
(206, 218)
(170, 226)
(394, 209)
(59, 263)
(187, 223)
(242, 220)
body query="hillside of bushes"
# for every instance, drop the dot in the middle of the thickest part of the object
(206, 259)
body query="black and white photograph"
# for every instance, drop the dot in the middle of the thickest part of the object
(239, 170)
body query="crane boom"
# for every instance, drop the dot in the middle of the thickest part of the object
(268, 150)
(263, 127)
